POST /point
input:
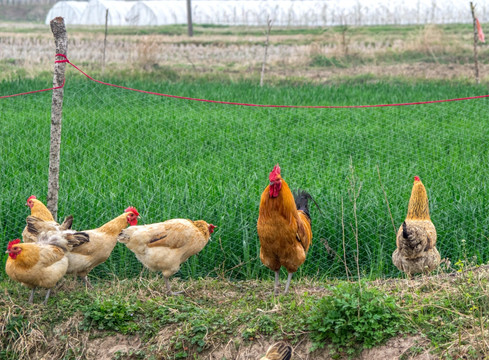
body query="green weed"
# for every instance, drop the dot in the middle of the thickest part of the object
(352, 319)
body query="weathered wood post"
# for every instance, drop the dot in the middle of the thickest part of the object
(61, 40)
(269, 28)
(105, 39)
(189, 19)
(476, 35)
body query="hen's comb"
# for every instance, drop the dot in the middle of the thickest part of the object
(132, 209)
(211, 228)
(12, 243)
(274, 173)
(416, 178)
(31, 197)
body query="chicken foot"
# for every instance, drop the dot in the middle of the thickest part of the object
(275, 287)
(288, 283)
(47, 297)
(168, 287)
(31, 297)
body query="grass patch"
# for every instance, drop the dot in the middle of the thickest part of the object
(444, 315)
(174, 158)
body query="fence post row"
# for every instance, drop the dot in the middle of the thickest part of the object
(61, 40)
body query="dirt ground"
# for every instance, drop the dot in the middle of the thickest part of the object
(108, 347)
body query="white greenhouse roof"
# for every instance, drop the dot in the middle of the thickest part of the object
(157, 13)
(94, 13)
(71, 11)
(281, 12)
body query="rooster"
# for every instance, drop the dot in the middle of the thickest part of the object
(416, 238)
(278, 351)
(101, 243)
(284, 227)
(40, 211)
(43, 263)
(165, 246)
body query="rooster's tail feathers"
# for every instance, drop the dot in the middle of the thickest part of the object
(301, 199)
(278, 351)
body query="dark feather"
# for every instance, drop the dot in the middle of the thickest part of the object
(80, 238)
(66, 225)
(33, 223)
(301, 199)
(405, 233)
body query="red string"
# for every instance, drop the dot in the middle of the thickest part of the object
(242, 104)
(37, 91)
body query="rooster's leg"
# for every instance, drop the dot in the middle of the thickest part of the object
(168, 287)
(288, 282)
(31, 297)
(47, 297)
(275, 288)
(87, 282)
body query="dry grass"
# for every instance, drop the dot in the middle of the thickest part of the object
(425, 52)
(452, 307)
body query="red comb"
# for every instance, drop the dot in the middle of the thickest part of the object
(274, 173)
(12, 243)
(132, 209)
(416, 178)
(31, 197)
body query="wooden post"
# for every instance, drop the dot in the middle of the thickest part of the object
(61, 40)
(269, 23)
(476, 36)
(189, 18)
(105, 39)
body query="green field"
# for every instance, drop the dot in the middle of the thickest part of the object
(177, 158)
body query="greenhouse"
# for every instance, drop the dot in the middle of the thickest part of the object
(71, 11)
(95, 12)
(257, 12)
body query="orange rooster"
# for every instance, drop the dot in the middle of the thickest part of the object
(43, 263)
(165, 246)
(416, 238)
(278, 351)
(284, 227)
(39, 210)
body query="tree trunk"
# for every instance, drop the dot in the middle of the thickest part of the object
(61, 40)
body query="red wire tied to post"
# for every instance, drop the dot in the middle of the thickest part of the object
(61, 61)
(65, 60)
(42, 90)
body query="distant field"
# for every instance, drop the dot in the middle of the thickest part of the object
(176, 158)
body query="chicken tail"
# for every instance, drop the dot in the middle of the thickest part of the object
(278, 351)
(66, 225)
(65, 240)
(413, 240)
(301, 199)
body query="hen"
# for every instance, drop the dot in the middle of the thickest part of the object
(278, 351)
(101, 243)
(416, 239)
(165, 246)
(43, 263)
(284, 227)
(40, 211)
